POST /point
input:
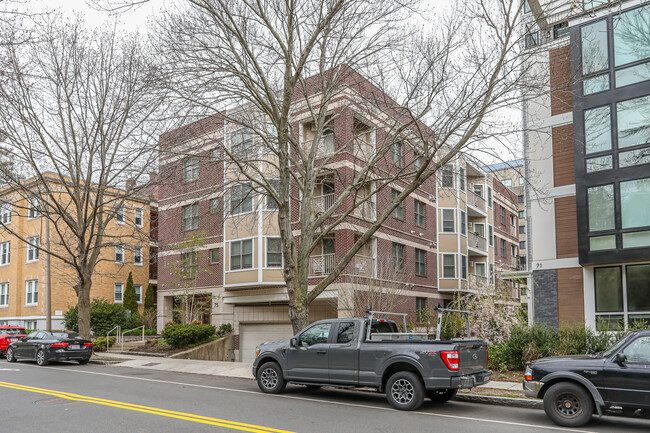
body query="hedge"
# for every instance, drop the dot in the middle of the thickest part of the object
(181, 335)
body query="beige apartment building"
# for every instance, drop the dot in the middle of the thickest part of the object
(26, 277)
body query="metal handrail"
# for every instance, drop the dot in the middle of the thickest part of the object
(131, 330)
(108, 341)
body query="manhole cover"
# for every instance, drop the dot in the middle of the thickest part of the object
(151, 364)
(53, 401)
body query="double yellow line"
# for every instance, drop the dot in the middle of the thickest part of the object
(145, 409)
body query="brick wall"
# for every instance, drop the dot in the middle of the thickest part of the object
(546, 297)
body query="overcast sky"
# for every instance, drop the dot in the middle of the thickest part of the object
(136, 19)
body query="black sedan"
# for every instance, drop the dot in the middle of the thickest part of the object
(45, 347)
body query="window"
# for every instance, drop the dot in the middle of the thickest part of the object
(513, 251)
(190, 169)
(522, 245)
(478, 189)
(507, 182)
(119, 253)
(560, 29)
(418, 161)
(638, 352)
(397, 153)
(479, 269)
(215, 154)
(503, 248)
(633, 125)
(138, 218)
(448, 266)
(241, 254)
(461, 178)
(448, 224)
(526, 7)
(622, 301)
(532, 39)
(4, 294)
(609, 289)
(31, 288)
(273, 252)
(463, 223)
(138, 292)
(214, 255)
(345, 332)
(502, 215)
(513, 220)
(520, 199)
(271, 204)
(447, 177)
(191, 216)
(241, 199)
(629, 46)
(137, 256)
(189, 264)
(522, 230)
(5, 253)
(638, 281)
(521, 182)
(242, 143)
(420, 213)
(595, 84)
(5, 213)
(491, 235)
(521, 214)
(398, 212)
(214, 205)
(118, 292)
(598, 130)
(631, 75)
(600, 206)
(317, 334)
(489, 197)
(33, 208)
(635, 203)
(420, 262)
(629, 159)
(463, 267)
(120, 215)
(399, 256)
(594, 47)
(32, 249)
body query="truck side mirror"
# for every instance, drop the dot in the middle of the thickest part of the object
(293, 342)
(619, 359)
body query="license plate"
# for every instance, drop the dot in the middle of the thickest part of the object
(13, 339)
(73, 347)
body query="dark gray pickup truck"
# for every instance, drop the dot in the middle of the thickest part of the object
(344, 353)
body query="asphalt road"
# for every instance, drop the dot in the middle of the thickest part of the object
(100, 399)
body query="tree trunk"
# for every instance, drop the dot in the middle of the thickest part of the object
(83, 303)
(299, 314)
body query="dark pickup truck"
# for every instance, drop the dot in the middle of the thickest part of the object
(573, 387)
(344, 353)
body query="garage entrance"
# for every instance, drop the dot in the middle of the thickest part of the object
(251, 335)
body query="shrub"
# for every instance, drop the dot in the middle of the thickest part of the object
(71, 319)
(148, 299)
(224, 330)
(104, 316)
(181, 335)
(150, 332)
(131, 303)
(99, 345)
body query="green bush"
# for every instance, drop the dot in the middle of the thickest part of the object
(181, 335)
(99, 345)
(131, 303)
(104, 316)
(150, 332)
(148, 299)
(71, 319)
(224, 330)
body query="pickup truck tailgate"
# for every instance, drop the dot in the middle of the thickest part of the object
(473, 356)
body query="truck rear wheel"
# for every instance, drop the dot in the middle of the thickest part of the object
(269, 378)
(441, 395)
(568, 404)
(405, 390)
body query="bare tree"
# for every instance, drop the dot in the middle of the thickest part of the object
(275, 68)
(78, 112)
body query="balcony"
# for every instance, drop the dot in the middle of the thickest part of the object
(363, 266)
(477, 281)
(476, 242)
(366, 210)
(321, 265)
(363, 149)
(476, 201)
(321, 203)
(325, 145)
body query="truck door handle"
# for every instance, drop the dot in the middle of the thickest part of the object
(321, 352)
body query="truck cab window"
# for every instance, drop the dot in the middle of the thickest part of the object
(315, 335)
(345, 332)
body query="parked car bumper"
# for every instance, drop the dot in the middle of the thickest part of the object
(64, 355)
(466, 381)
(532, 388)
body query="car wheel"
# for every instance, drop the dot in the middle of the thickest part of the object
(10, 355)
(568, 404)
(441, 395)
(405, 391)
(83, 361)
(269, 378)
(41, 359)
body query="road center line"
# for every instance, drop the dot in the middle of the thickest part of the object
(145, 409)
(320, 401)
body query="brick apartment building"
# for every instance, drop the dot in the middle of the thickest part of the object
(25, 274)
(589, 207)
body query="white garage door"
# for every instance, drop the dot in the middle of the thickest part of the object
(251, 335)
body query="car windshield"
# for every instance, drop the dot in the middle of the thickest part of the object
(65, 335)
(13, 331)
(616, 346)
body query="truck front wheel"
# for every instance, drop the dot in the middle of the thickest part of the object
(405, 390)
(269, 378)
(441, 395)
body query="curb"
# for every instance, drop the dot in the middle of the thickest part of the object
(103, 362)
(501, 401)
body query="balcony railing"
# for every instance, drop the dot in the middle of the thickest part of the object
(363, 265)
(321, 265)
(477, 242)
(366, 210)
(476, 200)
(325, 145)
(478, 280)
(321, 203)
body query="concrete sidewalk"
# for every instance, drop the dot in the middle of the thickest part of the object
(228, 369)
